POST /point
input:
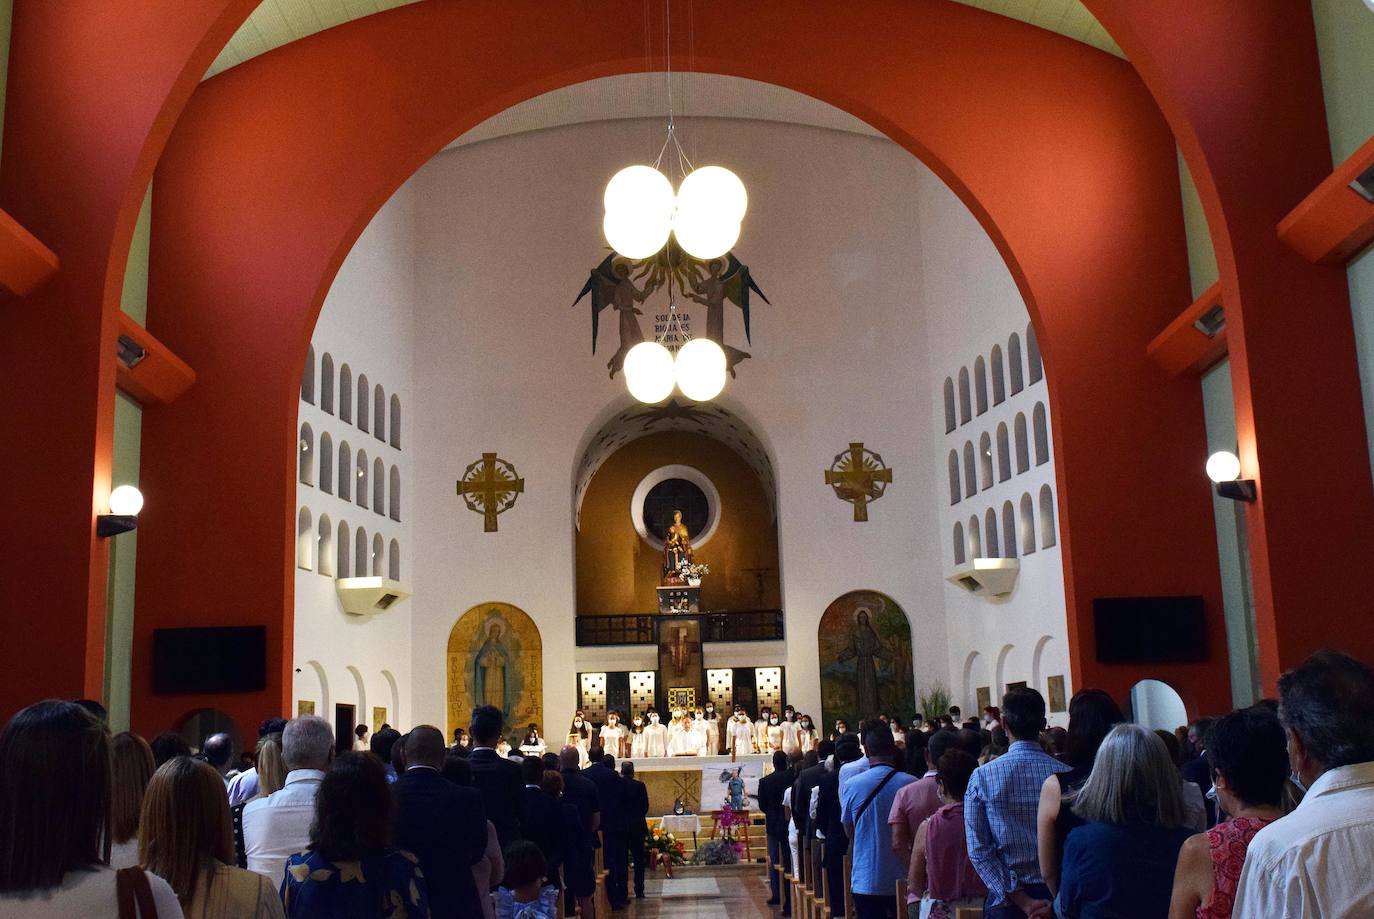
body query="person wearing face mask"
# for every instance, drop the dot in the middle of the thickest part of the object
(806, 734)
(703, 735)
(613, 736)
(580, 736)
(761, 730)
(791, 731)
(841, 729)
(775, 734)
(898, 735)
(741, 738)
(637, 739)
(655, 737)
(674, 728)
(711, 722)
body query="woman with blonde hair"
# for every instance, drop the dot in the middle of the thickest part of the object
(271, 771)
(1120, 862)
(131, 765)
(186, 839)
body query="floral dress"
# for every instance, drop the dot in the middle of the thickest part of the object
(389, 884)
(1227, 843)
(545, 907)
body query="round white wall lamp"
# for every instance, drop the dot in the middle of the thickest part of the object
(1223, 468)
(126, 502)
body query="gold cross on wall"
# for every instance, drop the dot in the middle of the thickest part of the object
(858, 476)
(489, 486)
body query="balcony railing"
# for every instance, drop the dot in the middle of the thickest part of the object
(738, 625)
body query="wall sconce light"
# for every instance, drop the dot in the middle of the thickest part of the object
(125, 503)
(1223, 468)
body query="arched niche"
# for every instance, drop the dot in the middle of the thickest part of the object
(864, 645)
(312, 688)
(496, 657)
(1003, 656)
(645, 462)
(977, 684)
(1157, 705)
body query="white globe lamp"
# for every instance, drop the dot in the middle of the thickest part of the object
(649, 372)
(714, 190)
(126, 501)
(1223, 466)
(700, 368)
(639, 190)
(704, 235)
(635, 236)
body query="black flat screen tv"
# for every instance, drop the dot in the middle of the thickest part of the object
(1150, 630)
(210, 660)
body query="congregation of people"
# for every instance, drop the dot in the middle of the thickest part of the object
(1267, 811)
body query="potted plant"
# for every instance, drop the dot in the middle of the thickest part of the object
(694, 573)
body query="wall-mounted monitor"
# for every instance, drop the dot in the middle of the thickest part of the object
(1150, 630)
(210, 660)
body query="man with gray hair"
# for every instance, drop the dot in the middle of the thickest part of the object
(1315, 861)
(278, 826)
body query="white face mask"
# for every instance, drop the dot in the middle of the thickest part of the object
(611, 721)
(790, 716)
(639, 722)
(577, 722)
(773, 720)
(677, 713)
(654, 718)
(806, 723)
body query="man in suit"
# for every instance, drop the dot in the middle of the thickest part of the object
(636, 822)
(807, 780)
(771, 788)
(498, 780)
(443, 824)
(540, 815)
(611, 791)
(829, 825)
(1199, 770)
(579, 791)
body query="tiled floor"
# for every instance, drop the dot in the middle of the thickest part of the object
(704, 894)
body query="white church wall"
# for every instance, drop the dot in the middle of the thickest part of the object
(508, 230)
(974, 306)
(365, 326)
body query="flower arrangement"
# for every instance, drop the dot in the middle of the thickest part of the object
(666, 849)
(694, 570)
(718, 852)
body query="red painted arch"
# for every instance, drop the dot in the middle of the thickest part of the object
(278, 164)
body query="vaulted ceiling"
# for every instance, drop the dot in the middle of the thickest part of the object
(278, 22)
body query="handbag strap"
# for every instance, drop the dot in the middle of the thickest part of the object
(858, 815)
(134, 894)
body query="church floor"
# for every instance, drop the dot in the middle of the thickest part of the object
(702, 893)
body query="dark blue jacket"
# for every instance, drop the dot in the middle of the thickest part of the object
(445, 826)
(503, 792)
(611, 792)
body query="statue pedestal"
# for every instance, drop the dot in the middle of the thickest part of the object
(679, 599)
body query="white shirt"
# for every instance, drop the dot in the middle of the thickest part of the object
(89, 894)
(1315, 861)
(243, 787)
(278, 826)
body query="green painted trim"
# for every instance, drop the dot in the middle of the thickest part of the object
(6, 18)
(134, 297)
(119, 611)
(1202, 259)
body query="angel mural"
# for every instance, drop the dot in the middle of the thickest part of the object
(622, 283)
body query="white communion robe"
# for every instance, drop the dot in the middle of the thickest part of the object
(690, 741)
(791, 737)
(741, 738)
(613, 740)
(655, 740)
(761, 735)
(638, 745)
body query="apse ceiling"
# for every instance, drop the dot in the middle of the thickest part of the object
(278, 22)
(705, 418)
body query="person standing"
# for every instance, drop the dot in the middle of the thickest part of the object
(1000, 809)
(579, 791)
(1198, 769)
(829, 825)
(1315, 861)
(636, 822)
(802, 790)
(916, 802)
(610, 789)
(941, 874)
(541, 816)
(655, 737)
(278, 825)
(187, 839)
(443, 824)
(497, 778)
(1249, 756)
(865, 803)
(771, 788)
(741, 735)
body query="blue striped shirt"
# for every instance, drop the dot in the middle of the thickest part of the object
(999, 818)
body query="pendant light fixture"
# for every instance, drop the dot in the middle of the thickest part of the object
(703, 218)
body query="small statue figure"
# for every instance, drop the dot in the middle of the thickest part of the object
(677, 551)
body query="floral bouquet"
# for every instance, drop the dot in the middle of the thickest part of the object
(693, 570)
(665, 849)
(718, 852)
